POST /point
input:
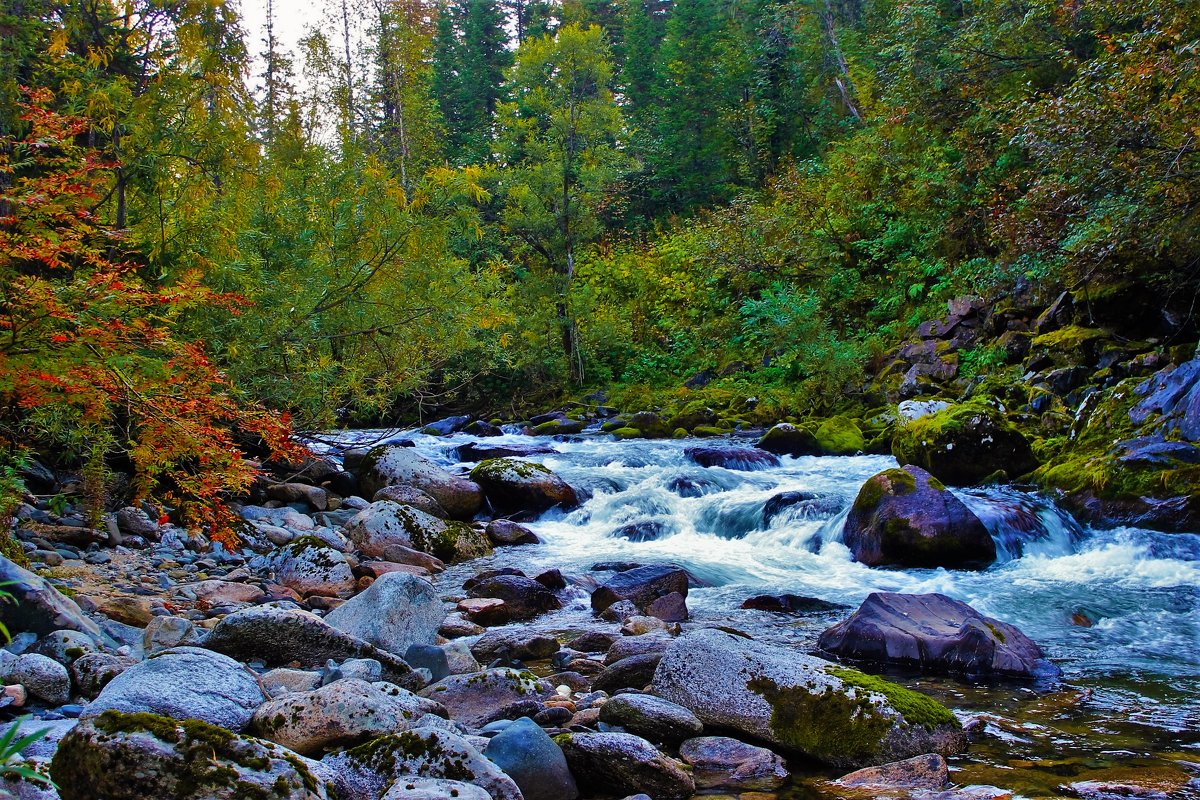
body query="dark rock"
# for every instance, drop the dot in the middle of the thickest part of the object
(789, 440)
(488, 574)
(553, 717)
(654, 719)
(700, 379)
(651, 425)
(549, 416)
(514, 645)
(552, 579)
(935, 633)
(533, 761)
(507, 532)
(803, 505)
(905, 517)
(634, 672)
(615, 566)
(482, 429)
(642, 586)
(646, 530)
(447, 426)
(594, 641)
(669, 608)
(525, 598)
(687, 486)
(1156, 452)
(478, 451)
(736, 458)
(513, 485)
(963, 444)
(430, 657)
(790, 604)
(621, 763)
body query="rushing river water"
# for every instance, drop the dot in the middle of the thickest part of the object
(1118, 610)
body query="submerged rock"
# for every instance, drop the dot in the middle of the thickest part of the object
(789, 604)
(736, 458)
(935, 633)
(803, 704)
(121, 756)
(905, 517)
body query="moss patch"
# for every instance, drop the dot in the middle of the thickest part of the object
(916, 708)
(827, 725)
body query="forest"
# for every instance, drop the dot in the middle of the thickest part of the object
(497, 206)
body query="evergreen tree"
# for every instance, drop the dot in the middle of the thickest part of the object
(483, 59)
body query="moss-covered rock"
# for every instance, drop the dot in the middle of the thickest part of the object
(708, 431)
(388, 465)
(652, 425)
(839, 436)
(786, 439)
(384, 526)
(559, 427)
(801, 703)
(692, 415)
(963, 444)
(906, 517)
(119, 756)
(627, 433)
(514, 485)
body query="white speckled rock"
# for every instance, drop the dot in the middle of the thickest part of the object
(804, 704)
(410, 788)
(475, 698)
(309, 566)
(397, 611)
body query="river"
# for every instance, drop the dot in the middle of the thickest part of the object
(1118, 610)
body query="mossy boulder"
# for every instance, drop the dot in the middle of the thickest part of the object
(559, 427)
(786, 439)
(800, 703)
(652, 425)
(310, 566)
(388, 465)
(370, 769)
(693, 414)
(626, 432)
(514, 485)
(839, 436)
(708, 431)
(475, 699)
(906, 517)
(1072, 345)
(963, 444)
(119, 756)
(384, 527)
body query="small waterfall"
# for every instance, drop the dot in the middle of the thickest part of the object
(1023, 524)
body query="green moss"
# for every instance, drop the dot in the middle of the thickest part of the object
(502, 469)
(839, 436)
(706, 431)
(916, 708)
(1070, 338)
(999, 634)
(895, 481)
(558, 426)
(627, 433)
(680, 433)
(827, 725)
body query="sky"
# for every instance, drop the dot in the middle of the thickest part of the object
(291, 18)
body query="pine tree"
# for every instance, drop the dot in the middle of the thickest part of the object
(483, 59)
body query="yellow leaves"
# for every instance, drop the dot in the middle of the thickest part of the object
(58, 43)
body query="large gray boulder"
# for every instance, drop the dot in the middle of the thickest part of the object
(397, 611)
(120, 756)
(278, 636)
(906, 517)
(339, 714)
(37, 607)
(801, 703)
(367, 771)
(184, 683)
(934, 633)
(475, 699)
(388, 465)
(514, 485)
(531, 758)
(622, 764)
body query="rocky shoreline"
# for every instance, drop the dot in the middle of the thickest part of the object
(318, 660)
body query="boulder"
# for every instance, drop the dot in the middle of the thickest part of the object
(524, 598)
(634, 672)
(216, 593)
(66, 646)
(654, 719)
(136, 522)
(385, 529)
(410, 496)
(719, 762)
(840, 436)
(163, 633)
(800, 505)
(650, 425)
(44, 678)
(789, 440)
(447, 426)
(805, 705)
(641, 586)
(507, 532)
(790, 604)
(622, 764)
(119, 756)
(906, 517)
(483, 429)
(737, 458)
(388, 465)
(367, 771)
(394, 613)
(278, 636)
(521, 645)
(531, 758)
(184, 683)
(475, 698)
(90, 673)
(479, 451)
(963, 444)
(934, 633)
(310, 566)
(37, 607)
(559, 426)
(343, 713)
(514, 485)
(316, 497)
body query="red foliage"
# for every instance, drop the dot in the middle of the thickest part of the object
(84, 338)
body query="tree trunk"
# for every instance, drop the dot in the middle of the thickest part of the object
(842, 79)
